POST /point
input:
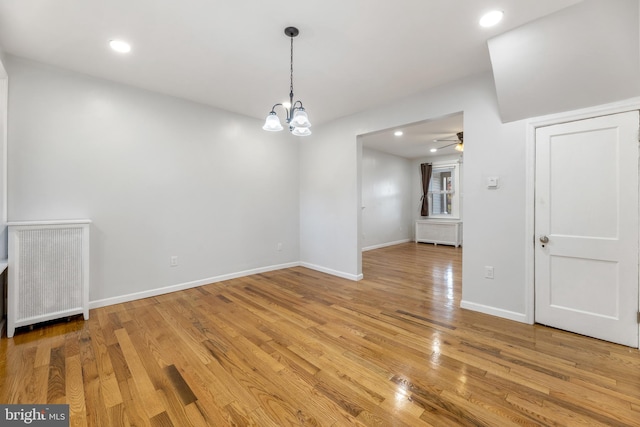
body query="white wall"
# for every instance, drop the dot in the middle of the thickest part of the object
(386, 199)
(330, 201)
(158, 176)
(494, 220)
(4, 86)
(584, 55)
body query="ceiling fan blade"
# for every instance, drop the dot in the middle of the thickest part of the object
(458, 139)
(449, 145)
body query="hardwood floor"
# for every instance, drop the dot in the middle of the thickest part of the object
(298, 347)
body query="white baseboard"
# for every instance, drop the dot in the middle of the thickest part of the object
(182, 286)
(332, 272)
(384, 245)
(498, 312)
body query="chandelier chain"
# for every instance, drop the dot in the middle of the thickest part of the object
(291, 76)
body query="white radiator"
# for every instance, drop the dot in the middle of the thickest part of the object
(48, 272)
(439, 232)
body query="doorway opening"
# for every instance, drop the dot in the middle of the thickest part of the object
(391, 189)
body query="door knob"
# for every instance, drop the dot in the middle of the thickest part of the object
(544, 239)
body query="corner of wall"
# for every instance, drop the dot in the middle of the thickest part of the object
(4, 106)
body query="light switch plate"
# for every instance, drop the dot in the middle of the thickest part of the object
(492, 182)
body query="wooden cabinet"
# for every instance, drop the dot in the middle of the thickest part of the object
(439, 232)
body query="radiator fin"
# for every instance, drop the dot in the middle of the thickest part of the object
(50, 278)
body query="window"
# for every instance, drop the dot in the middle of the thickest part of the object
(443, 194)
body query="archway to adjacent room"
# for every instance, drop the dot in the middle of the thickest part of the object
(390, 184)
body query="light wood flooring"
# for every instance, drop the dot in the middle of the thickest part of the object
(297, 347)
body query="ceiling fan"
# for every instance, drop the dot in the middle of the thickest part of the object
(459, 143)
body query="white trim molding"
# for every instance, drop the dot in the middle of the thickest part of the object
(188, 285)
(384, 245)
(194, 284)
(493, 311)
(354, 277)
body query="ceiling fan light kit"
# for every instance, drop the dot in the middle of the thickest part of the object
(459, 144)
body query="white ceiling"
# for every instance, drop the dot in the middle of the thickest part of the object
(350, 55)
(418, 139)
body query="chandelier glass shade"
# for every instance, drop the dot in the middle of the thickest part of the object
(296, 116)
(272, 123)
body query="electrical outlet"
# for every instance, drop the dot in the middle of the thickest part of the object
(173, 261)
(488, 272)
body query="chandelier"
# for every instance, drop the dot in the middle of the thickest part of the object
(296, 116)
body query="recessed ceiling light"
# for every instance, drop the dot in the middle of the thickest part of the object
(398, 133)
(433, 150)
(491, 18)
(120, 46)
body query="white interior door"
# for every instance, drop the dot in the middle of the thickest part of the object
(586, 223)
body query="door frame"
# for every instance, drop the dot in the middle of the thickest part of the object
(532, 124)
